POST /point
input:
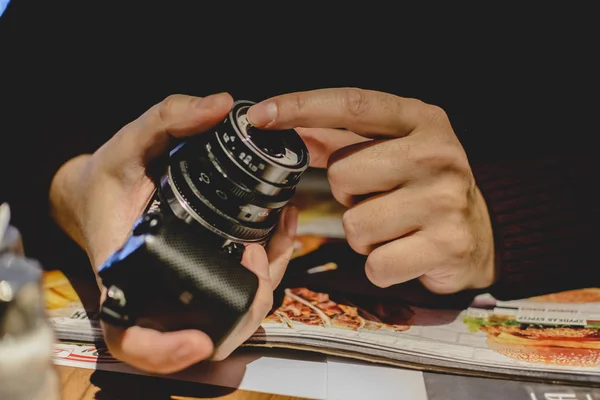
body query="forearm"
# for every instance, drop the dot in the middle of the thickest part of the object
(65, 197)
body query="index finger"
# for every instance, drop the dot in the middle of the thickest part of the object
(366, 112)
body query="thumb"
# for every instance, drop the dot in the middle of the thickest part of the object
(157, 352)
(322, 142)
(149, 136)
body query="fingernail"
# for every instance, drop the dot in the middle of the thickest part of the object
(291, 221)
(262, 114)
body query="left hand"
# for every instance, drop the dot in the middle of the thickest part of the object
(414, 206)
(97, 198)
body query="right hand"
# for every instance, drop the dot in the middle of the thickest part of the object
(414, 207)
(97, 198)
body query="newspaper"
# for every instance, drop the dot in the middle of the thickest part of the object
(326, 304)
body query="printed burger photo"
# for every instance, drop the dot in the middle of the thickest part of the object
(556, 329)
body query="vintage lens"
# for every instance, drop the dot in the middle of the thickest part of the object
(235, 178)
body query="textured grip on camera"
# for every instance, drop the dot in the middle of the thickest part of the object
(199, 262)
(175, 276)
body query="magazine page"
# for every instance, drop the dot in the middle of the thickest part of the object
(554, 341)
(66, 312)
(326, 304)
(490, 338)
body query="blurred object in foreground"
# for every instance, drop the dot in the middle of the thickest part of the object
(3, 5)
(26, 337)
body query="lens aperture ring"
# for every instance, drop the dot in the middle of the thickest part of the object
(210, 216)
(232, 137)
(220, 176)
(234, 179)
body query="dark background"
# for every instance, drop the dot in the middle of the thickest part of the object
(515, 85)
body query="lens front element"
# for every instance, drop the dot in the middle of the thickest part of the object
(235, 178)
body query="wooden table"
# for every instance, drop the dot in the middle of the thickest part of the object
(86, 384)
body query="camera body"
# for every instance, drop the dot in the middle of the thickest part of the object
(218, 191)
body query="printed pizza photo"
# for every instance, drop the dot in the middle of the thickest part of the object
(304, 306)
(575, 342)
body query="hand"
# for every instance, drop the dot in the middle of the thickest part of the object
(97, 198)
(413, 205)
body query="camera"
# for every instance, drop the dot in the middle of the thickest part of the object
(216, 191)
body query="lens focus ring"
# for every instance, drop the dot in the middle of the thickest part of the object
(216, 178)
(235, 179)
(211, 218)
(234, 136)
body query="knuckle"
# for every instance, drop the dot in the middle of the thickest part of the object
(335, 174)
(460, 242)
(342, 197)
(433, 114)
(351, 227)
(356, 232)
(461, 166)
(445, 157)
(457, 160)
(297, 104)
(464, 244)
(345, 169)
(165, 107)
(451, 198)
(375, 269)
(356, 102)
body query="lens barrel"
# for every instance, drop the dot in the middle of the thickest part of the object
(235, 178)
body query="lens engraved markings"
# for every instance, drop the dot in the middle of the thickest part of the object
(238, 170)
(210, 186)
(228, 138)
(252, 213)
(186, 194)
(205, 182)
(258, 161)
(235, 180)
(247, 159)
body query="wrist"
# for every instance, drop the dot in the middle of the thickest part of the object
(65, 195)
